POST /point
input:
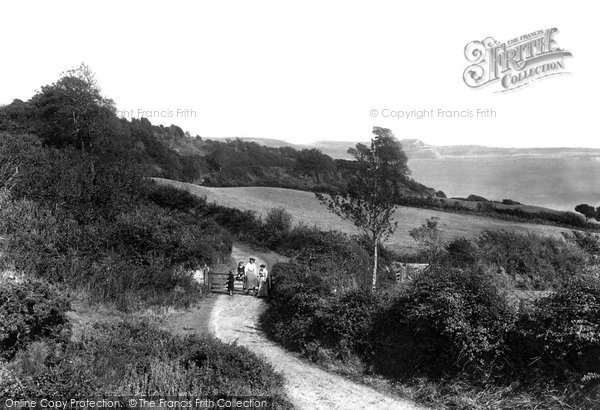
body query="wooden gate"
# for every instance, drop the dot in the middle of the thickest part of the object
(217, 282)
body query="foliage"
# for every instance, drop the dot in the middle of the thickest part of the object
(455, 323)
(534, 262)
(588, 211)
(136, 358)
(370, 200)
(447, 321)
(278, 224)
(429, 239)
(476, 198)
(313, 161)
(492, 210)
(91, 228)
(559, 336)
(589, 242)
(510, 202)
(328, 268)
(30, 311)
(461, 252)
(176, 199)
(72, 111)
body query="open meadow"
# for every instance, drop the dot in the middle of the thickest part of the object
(305, 208)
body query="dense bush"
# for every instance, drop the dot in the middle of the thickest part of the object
(312, 312)
(144, 253)
(135, 358)
(30, 311)
(88, 187)
(559, 335)
(476, 198)
(86, 222)
(311, 292)
(533, 261)
(460, 252)
(447, 321)
(174, 198)
(589, 242)
(278, 224)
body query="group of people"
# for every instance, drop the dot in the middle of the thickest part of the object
(252, 277)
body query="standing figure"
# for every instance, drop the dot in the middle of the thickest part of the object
(230, 283)
(251, 272)
(241, 274)
(263, 285)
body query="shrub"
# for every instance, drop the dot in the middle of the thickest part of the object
(461, 252)
(533, 261)
(588, 241)
(447, 321)
(174, 198)
(559, 335)
(88, 187)
(244, 225)
(429, 239)
(312, 314)
(145, 253)
(476, 198)
(136, 358)
(30, 311)
(278, 224)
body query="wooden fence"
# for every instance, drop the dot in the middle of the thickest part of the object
(217, 282)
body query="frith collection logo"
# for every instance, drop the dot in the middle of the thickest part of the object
(514, 63)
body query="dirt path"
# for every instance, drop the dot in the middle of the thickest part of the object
(235, 319)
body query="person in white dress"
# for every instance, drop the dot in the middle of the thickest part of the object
(263, 281)
(251, 272)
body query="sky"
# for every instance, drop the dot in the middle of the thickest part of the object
(310, 70)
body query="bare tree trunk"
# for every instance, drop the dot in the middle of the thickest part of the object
(375, 266)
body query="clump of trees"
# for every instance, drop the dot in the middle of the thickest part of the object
(588, 211)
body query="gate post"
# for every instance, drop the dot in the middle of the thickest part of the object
(207, 279)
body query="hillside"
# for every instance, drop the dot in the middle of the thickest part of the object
(305, 208)
(552, 178)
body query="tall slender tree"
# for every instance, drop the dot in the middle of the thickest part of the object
(370, 199)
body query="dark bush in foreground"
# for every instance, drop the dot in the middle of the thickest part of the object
(450, 326)
(30, 311)
(309, 315)
(447, 321)
(135, 358)
(560, 335)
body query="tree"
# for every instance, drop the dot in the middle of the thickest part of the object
(588, 211)
(73, 111)
(313, 161)
(371, 196)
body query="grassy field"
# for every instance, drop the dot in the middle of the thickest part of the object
(306, 208)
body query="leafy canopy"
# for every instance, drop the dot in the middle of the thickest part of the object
(371, 196)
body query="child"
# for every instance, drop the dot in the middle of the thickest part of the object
(230, 283)
(241, 275)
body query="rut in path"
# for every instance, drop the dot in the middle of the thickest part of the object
(235, 319)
